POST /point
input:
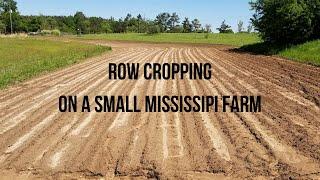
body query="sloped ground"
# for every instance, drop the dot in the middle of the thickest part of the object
(36, 140)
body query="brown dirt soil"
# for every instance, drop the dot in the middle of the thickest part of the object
(283, 141)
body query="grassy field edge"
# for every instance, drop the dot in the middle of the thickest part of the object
(25, 58)
(238, 39)
(307, 53)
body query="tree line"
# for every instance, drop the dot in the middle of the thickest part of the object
(287, 21)
(80, 23)
(276, 21)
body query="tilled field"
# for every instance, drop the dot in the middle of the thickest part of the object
(283, 141)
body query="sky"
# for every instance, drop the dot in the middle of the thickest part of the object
(207, 11)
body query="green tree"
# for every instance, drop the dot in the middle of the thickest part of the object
(7, 5)
(162, 20)
(15, 18)
(286, 21)
(128, 17)
(187, 27)
(196, 25)
(224, 28)
(106, 27)
(314, 8)
(153, 29)
(87, 27)
(173, 20)
(79, 23)
(66, 24)
(118, 26)
(95, 24)
(2, 27)
(79, 20)
(49, 23)
(34, 24)
(46, 22)
(139, 19)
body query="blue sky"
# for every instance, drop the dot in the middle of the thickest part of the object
(207, 11)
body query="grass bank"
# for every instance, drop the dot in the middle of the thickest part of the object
(23, 58)
(238, 39)
(307, 52)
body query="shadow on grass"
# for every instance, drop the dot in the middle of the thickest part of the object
(262, 48)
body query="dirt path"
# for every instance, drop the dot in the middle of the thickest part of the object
(36, 140)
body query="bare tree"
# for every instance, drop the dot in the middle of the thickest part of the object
(249, 28)
(208, 28)
(240, 26)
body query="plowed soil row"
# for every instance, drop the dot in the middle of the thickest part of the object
(283, 141)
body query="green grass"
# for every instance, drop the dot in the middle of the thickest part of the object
(238, 39)
(21, 59)
(307, 52)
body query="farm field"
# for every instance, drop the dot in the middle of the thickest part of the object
(238, 39)
(305, 53)
(36, 140)
(23, 58)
